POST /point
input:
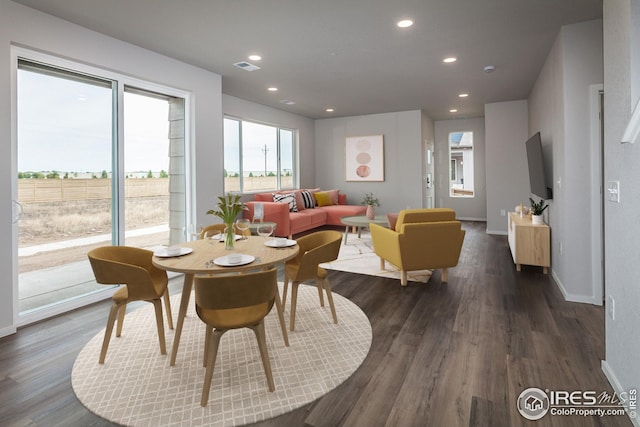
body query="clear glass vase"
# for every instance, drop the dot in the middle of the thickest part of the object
(229, 237)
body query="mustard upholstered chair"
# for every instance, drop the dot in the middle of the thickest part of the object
(233, 302)
(423, 239)
(315, 248)
(124, 265)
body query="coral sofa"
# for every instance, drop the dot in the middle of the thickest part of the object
(422, 239)
(305, 218)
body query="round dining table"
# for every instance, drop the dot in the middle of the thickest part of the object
(209, 257)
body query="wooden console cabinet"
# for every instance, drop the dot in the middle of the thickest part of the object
(529, 243)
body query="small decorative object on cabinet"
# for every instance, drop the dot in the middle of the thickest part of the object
(529, 243)
(536, 211)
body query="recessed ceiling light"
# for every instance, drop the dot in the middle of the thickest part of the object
(450, 59)
(272, 89)
(287, 102)
(255, 57)
(453, 110)
(463, 95)
(405, 23)
(329, 110)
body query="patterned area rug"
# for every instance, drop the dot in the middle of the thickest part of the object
(137, 387)
(357, 256)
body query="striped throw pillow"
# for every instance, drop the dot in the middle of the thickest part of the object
(288, 198)
(307, 199)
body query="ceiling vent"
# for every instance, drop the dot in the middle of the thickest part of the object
(246, 66)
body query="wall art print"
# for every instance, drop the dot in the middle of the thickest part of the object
(364, 158)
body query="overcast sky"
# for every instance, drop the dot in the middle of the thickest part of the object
(65, 125)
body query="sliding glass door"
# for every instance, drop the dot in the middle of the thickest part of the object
(99, 162)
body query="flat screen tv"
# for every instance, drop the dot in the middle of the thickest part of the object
(535, 159)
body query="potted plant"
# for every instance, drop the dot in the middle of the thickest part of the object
(229, 207)
(369, 201)
(536, 211)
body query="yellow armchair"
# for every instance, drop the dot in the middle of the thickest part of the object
(419, 245)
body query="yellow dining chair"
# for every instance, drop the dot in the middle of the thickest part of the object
(125, 265)
(233, 302)
(315, 248)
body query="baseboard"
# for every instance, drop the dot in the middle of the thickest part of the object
(583, 299)
(498, 232)
(9, 330)
(471, 219)
(617, 387)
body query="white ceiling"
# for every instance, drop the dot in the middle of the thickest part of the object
(347, 54)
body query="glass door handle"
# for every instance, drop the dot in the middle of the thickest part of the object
(17, 211)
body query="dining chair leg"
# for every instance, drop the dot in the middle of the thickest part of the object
(211, 362)
(382, 266)
(294, 300)
(327, 288)
(107, 333)
(319, 286)
(207, 339)
(167, 307)
(285, 289)
(280, 311)
(157, 305)
(121, 312)
(264, 354)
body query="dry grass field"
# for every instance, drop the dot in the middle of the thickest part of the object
(47, 222)
(59, 221)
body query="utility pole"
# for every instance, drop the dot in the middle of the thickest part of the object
(265, 150)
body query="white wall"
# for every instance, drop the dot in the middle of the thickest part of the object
(22, 26)
(506, 130)
(472, 208)
(622, 229)
(559, 107)
(403, 157)
(247, 110)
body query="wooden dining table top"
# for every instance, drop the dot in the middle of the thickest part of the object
(205, 251)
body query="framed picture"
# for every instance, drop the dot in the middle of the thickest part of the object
(364, 158)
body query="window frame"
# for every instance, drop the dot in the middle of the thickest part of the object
(119, 82)
(278, 132)
(453, 165)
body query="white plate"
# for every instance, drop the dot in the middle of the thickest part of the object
(163, 253)
(274, 243)
(223, 261)
(220, 237)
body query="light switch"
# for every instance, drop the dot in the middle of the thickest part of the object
(613, 190)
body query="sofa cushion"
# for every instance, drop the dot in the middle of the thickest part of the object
(288, 198)
(263, 197)
(308, 200)
(336, 212)
(323, 198)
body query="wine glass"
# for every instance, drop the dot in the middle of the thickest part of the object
(243, 225)
(194, 231)
(265, 230)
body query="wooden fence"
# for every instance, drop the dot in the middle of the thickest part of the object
(63, 190)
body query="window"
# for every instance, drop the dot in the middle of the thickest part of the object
(461, 164)
(257, 157)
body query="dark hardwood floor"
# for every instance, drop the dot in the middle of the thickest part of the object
(454, 354)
